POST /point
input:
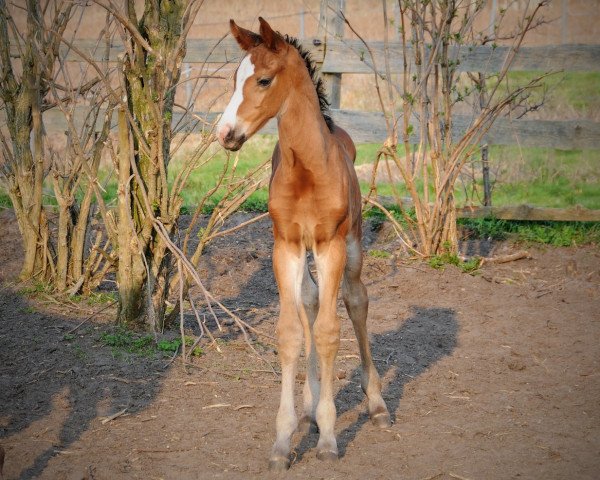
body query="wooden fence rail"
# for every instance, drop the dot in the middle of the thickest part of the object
(350, 56)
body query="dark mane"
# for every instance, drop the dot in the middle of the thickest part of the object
(317, 80)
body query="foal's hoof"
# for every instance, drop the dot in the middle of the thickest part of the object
(307, 425)
(327, 455)
(279, 464)
(381, 420)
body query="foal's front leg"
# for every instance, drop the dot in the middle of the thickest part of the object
(330, 260)
(288, 265)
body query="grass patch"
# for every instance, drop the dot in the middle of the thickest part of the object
(35, 288)
(440, 261)
(122, 341)
(173, 345)
(79, 352)
(95, 298)
(4, 199)
(560, 234)
(546, 177)
(543, 177)
(256, 151)
(566, 92)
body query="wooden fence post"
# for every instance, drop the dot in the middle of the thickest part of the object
(331, 25)
(302, 22)
(485, 167)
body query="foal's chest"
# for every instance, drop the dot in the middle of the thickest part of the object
(306, 207)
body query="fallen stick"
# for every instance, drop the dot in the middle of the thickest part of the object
(506, 258)
(112, 417)
(92, 316)
(216, 405)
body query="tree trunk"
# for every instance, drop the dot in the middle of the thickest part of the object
(130, 274)
(22, 96)
(150, 79)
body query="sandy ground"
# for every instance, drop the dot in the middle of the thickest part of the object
(491, 376)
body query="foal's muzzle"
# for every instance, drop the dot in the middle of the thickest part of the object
(229, 139)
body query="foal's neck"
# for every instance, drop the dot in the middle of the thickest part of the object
(304, 136)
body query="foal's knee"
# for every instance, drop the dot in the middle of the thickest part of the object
(327, 334)
(290, 343)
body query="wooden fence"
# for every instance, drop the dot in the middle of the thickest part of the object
(338, 57)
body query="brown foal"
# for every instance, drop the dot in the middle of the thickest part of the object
(315, 204)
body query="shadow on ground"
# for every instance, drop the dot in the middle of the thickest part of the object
(427, 336)
(57, 383)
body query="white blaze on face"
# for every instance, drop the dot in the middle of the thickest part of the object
(229, 119)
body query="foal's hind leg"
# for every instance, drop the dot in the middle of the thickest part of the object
(356, 300)
(310, 304)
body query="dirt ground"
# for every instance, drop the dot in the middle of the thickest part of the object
(491, 376)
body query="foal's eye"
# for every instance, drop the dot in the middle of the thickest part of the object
(264, 82)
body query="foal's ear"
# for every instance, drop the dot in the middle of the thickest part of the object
(272, 39)
(245, 38)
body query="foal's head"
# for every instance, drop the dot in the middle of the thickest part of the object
(270, 69)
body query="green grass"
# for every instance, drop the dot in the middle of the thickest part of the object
(567, 93)
(256, 151)
(379, 253)
(174, 345)
(440, 261)
(548, 233)
(536, 176)
(35, 287)
(95, 298)
(541, 177)
(123, 341)
(4, 199)
(546, 177)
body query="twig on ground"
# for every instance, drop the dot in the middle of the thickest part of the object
(113, 416)
(216, 405)
(173, 357)
(92, 316)
(506, 258)
(459, 477)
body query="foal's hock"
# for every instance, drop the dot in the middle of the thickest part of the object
(315, 204)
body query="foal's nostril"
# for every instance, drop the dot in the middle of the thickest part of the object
(230, 135)
(223, 133)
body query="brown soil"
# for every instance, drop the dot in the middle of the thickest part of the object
(487, 377)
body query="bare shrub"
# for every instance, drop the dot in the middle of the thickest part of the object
(422, 101)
